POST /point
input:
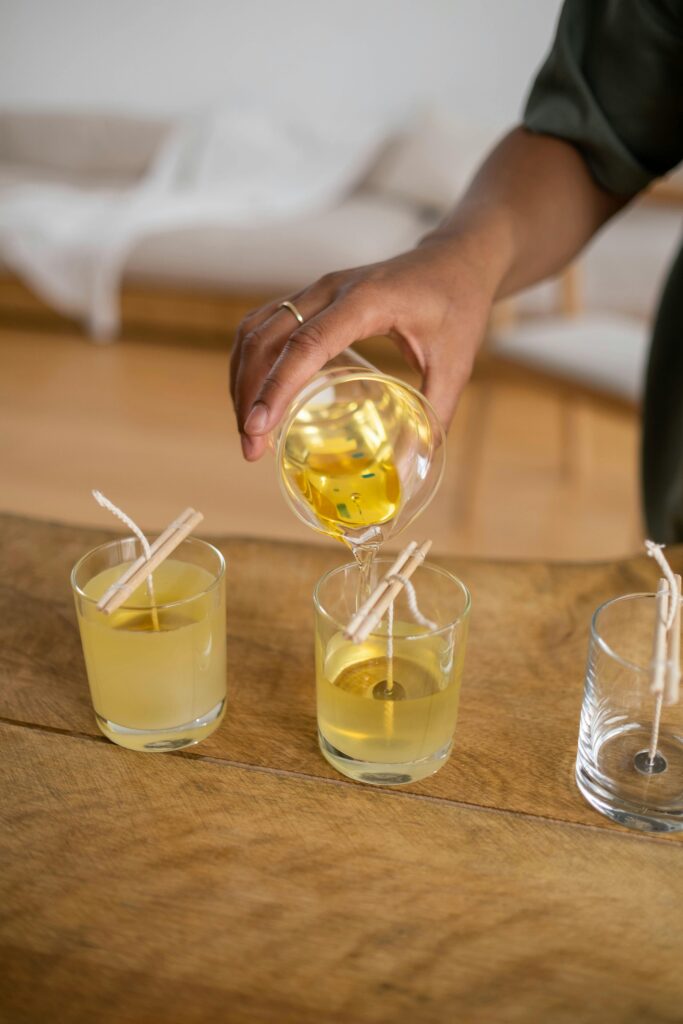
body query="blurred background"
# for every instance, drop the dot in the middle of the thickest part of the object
(166, 166)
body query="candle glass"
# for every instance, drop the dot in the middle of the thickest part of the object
(359, 454)
(629, 764)
(156, 668)
(389, 720)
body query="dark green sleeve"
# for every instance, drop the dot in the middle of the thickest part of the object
(613, 86)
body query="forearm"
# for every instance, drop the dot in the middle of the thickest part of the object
(531, 208)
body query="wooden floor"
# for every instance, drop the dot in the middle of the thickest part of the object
(532, 472)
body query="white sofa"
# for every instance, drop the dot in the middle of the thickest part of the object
(93, 152)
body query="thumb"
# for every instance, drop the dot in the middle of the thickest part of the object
(442, 387)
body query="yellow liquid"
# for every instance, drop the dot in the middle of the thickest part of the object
(153, 688)
(342, 463)
(411, 734)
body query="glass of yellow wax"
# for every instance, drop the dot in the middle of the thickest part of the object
(390, 720)
(359, 453)
(156, 670)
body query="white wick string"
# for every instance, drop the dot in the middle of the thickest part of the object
(655, 551)
(411, 597)
(134, 528)
(665, 668)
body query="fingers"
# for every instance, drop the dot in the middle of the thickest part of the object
(269, 328)
(262, 343)
(305, 352)
(259, 350)
(250, 322)
(261, 338)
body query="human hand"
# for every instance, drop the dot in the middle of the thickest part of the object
(433, 301)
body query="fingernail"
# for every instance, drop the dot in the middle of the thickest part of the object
(247, 446)
(257, 419)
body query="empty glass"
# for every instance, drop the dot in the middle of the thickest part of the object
(630, 760)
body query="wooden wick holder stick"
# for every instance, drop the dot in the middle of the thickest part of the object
(385, 592)
(167, 542)
(139, 562)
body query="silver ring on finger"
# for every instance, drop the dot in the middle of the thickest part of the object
(292, 309)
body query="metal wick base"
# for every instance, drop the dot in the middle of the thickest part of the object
(645, 766)
(381, 691)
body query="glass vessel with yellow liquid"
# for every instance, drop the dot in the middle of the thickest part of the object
(388, 716)
(157, 672)
(359, 454)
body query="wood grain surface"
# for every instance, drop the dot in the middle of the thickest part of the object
(243, 880)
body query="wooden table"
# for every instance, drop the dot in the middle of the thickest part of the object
(243, 880)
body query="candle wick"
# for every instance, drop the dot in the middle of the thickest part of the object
(104, 502)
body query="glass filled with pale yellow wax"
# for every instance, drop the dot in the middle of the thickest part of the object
(157, 666)
(387, 710)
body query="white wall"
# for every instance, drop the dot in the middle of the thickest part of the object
(385, 56)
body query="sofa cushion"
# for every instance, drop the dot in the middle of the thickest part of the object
(282, 256)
